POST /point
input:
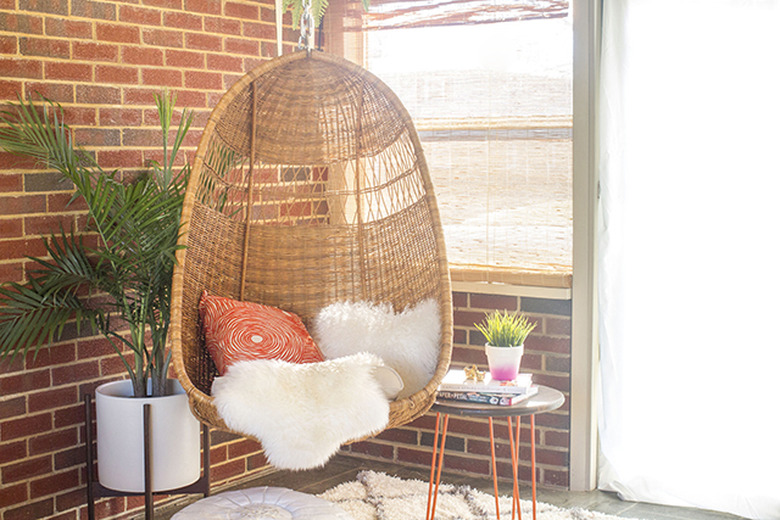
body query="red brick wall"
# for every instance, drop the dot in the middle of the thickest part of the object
(103, 61)
(547, 356)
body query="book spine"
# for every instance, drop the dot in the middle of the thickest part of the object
(476, 397)
(506, 390)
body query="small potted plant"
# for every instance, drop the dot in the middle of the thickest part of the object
(505, 334)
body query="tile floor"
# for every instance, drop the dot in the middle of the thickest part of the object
(343, 468)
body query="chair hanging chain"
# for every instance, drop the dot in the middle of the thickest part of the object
(306, 40)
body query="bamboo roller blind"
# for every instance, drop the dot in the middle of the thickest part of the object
(488, 84)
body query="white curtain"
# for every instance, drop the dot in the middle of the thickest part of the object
(690, 253)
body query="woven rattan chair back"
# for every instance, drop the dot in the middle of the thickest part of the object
(309, 187)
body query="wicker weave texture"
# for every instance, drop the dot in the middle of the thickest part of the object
(309, 187)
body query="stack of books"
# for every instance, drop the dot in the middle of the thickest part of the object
(456, 386)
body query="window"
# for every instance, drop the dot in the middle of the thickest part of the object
(488, 84)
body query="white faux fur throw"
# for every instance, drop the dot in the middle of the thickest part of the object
(303, 413)
(407, 341)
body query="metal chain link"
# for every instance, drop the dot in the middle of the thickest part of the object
(306, 40)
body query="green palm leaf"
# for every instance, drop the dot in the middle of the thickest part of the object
(34, 314)
(318, 8)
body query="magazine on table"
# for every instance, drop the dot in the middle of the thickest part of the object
(487, 398)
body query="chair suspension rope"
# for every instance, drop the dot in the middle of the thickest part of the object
(306, 40)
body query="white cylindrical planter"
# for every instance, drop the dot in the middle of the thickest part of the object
(504, 362)
(175, 439)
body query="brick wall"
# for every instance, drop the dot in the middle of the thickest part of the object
(547, 356)
(103, 61)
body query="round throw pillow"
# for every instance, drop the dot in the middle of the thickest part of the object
(243, 331)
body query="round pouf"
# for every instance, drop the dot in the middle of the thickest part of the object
(262, 503)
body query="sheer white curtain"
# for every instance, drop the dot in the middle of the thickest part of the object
(690, 253)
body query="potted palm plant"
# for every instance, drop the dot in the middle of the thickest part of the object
(120, 287)
(505, 334)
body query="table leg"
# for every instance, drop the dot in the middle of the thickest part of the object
(514, 453)
(493, 459)
(433, 467)
(533, 463)
(516, 462)
(441, 463)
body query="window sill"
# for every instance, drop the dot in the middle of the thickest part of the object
(552, 284)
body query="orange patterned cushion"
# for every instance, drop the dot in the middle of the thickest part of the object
(240, 331)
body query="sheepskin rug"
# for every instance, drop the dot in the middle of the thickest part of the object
(407, 341)
(377, 496)
(303, 413)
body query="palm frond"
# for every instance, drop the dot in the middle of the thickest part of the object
(164, 173)
(39, 132)
(69, 267)
(212, 190)
(318, 8)
(34, 314)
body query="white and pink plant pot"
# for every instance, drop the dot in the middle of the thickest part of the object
(504, 362)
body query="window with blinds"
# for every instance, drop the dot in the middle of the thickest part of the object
(489, 86)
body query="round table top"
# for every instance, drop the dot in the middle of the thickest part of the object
(546, 400)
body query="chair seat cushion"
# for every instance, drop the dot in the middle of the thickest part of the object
(265, 503)
(243, 331)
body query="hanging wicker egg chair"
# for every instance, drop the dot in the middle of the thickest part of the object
(309, 187)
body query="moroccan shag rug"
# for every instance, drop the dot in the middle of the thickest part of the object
(377, 496)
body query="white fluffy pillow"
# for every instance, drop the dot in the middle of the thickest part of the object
(407, 342)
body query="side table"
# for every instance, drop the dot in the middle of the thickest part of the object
(546, 400)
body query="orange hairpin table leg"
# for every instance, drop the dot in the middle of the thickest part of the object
(430, 515)
(514, 452)
(493, 460)
(533, 462)
(433, 467)
(517, 460)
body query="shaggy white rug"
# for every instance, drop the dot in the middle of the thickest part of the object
(377, 496)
